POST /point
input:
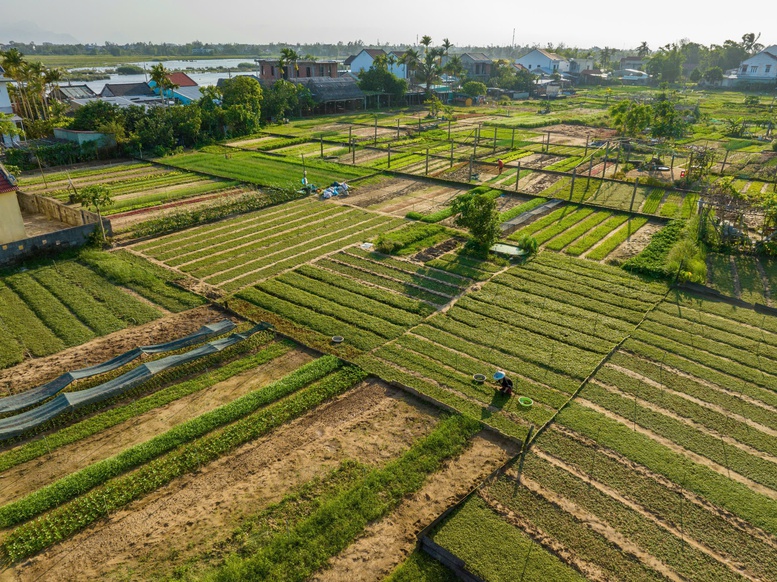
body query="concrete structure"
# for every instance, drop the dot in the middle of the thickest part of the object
(270, 71)
(363, 61)
(72, 227)
(632, 63)
(477, 65)
(546, 61)
(397, 68)
(11, 221)
(82, 137)
(577, 66)
(760, 68)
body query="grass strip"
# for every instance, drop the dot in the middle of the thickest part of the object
(150, 454)
(618, 238)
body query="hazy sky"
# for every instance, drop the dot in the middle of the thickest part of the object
(618, 24)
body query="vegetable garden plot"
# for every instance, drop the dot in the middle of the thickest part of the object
(264, 170)
(259, 245)
(46, 309)
(547, 337)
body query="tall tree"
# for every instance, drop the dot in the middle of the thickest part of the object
(98, 196)
(411, 60)
(446, 46)
(429, 70)
(643, 50)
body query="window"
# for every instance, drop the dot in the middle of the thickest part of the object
(308, 71)
(321, 70)
(753, 69)
(272, 70)
(768, 69)
(744, 68)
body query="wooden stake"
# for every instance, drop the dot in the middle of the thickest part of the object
(389, 157)
(517, 176)
(426, 171)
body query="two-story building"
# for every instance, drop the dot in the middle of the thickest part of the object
(545, 61)
(477, 66)
(760, 68)
(364, 60)
(270, 70)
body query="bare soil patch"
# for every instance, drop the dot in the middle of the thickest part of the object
(370, 424)
(36, 371)
(635, 243)
(28, 477)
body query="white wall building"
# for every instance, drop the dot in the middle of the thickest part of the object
(545, 61)
(363, 61)
(760, 67)
(6, 108)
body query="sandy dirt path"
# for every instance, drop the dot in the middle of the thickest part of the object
(28, 477)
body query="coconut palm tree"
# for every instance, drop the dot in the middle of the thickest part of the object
(429, 70)
(446, 46)
(643, 50)
(454, 67)
(160, 76)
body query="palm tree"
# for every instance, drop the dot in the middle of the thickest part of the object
(643, 50)
(446, 46)
(160, 76)
(426, 40)
(750, 43)
(287, 58)
(429, 71)
(410, 59)
(51, 79)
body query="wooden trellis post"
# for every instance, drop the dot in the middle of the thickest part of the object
(517, 176)
(426, 171)
(389, 157)
(512, 140)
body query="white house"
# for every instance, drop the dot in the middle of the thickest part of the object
(5, 107)
(397, 68)
(363, 61)
(761, 67)
(545, 61)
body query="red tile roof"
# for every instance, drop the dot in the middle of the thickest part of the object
(182, 80)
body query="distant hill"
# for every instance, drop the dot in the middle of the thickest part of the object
(26, 31)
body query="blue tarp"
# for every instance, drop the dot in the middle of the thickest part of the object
(15, 425)
(49, 389)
